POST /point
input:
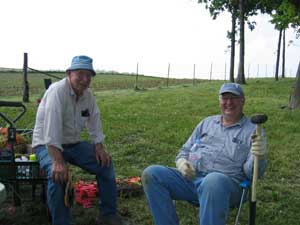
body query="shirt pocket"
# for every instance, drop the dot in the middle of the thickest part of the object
(84, 115)
(240, 152)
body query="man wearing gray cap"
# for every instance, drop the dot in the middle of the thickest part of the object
(66, 108)
(210, 165)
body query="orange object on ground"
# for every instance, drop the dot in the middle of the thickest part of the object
(86, 192)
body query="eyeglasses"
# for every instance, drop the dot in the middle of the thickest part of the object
(229, 97)
(82, 74)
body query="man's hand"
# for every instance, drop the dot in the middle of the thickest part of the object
(102, 156)
(186, 168)
(259, 146)
(59, 167)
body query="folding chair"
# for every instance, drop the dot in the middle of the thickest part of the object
(245, 185)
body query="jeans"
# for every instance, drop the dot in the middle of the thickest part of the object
(214, 192)
(83, 156)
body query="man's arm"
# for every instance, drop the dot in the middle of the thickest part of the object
(102, 156)
(59, 167)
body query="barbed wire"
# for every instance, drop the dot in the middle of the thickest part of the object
(45, 73)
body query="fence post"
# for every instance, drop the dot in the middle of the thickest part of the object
(168, 74)
(248, 71)
(136, 77)
(47, 83)
(211, 67)
(25, 80)
(194, 72)
(225, 71)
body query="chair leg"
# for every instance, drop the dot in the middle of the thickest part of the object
(240, 207)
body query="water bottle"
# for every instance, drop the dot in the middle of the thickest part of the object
(196, 145)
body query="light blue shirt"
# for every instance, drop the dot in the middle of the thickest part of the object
(215, 148)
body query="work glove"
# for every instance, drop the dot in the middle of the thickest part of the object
(259, 146)
(185, 168)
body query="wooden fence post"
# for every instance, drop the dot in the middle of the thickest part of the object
(25, 80)
(168, 75)
(225, 71)
(194, 74)
(248, 71)
(211, 68)
(136, 77)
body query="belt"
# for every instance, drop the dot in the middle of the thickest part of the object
(69, 145)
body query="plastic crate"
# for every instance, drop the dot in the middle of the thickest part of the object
(15, 169)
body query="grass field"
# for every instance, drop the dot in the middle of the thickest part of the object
(149, 126)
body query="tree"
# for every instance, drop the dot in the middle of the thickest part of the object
(278, 54)
(232, 6)
(287, 13)
(231, 36)
(241, 72)
(284, 13)
(295, 96)
(215, 7)
(283, 55)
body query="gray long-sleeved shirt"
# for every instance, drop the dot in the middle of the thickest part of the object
(215, 148)
(61, 117)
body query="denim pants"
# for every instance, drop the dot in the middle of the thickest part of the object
(214, 192)
(83, 156)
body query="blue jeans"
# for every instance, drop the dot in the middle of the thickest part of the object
(83, 156)
(214, 192)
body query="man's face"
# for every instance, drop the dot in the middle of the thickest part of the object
(232, 106)
(80, 80)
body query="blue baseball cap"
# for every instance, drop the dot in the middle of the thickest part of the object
(82, 62)
(233, 88)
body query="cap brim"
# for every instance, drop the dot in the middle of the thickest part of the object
(74, 68)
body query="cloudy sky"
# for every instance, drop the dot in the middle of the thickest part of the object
(118, 34)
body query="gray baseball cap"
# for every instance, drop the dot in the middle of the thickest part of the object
(233, 88)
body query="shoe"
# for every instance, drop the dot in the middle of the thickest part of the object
(111, 220)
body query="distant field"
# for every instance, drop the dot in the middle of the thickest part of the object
(11, 83)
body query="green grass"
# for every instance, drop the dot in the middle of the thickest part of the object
(149, 126)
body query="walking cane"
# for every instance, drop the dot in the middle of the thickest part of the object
(258, 120)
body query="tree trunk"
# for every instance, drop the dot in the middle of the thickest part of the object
(283, 55)
(295, 97)
(241, 73)
(278, 55)
(232, 53)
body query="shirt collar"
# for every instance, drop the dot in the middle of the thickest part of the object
(218, 120)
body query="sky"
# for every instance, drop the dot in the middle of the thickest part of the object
(119, 35)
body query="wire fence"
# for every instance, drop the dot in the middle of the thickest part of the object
(12, 83)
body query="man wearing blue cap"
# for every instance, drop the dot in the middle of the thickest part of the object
(66, 108)
(210, 165)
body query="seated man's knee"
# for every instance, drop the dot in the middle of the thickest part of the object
(214, 182)
(150, 173)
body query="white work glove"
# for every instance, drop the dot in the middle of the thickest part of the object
(259, 146)
(185, 168)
